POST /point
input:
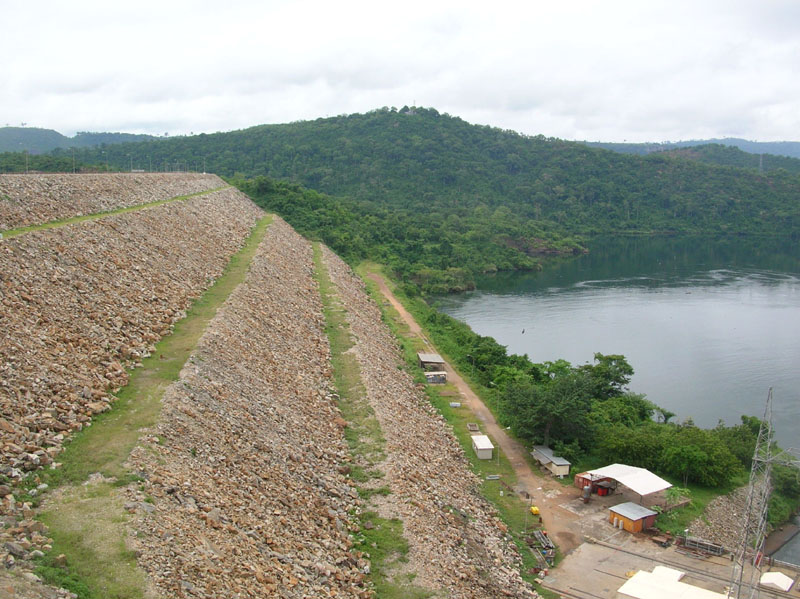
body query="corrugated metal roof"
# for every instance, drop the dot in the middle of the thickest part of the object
(482, 442)
(436, 358)
(632, 511)
(639, 480)
(547, 453)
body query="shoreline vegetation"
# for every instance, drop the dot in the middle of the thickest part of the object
(586, 413)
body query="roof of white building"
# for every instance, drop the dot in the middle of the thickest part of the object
(638, 480)
(482, 442)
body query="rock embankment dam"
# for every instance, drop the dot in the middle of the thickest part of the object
(242, 486)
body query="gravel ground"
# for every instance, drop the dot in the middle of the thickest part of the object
(721, 521)
(458, 546)
(40, 198)
(244, 475)
(78, 305)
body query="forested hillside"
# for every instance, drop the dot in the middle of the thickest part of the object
(35, 140)
(776, 148)
(433, 165)
(732, 156)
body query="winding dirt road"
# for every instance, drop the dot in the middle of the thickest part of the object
(561, 524)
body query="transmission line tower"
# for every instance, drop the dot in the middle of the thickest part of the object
(749, 551)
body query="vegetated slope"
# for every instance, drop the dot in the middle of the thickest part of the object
(35, 199)
(731, 156)
(246, 468)
(31, 139)
(37, 141)
(775, 148)
(429, 165)
(457, 544)
(437, 254)
(80, 303)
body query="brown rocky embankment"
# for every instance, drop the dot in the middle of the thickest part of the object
(80, 303)
(35, 199)
(244, 467)
(722, 520)
(457, 545)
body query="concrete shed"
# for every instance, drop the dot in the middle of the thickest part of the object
(483, 447)
(436, 377)
(555, 464)
(631, 516)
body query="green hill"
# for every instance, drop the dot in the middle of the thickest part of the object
(778, 148)
(433, 165)
(732, 156)
(30, 139)
(38, 141)
(440, 199)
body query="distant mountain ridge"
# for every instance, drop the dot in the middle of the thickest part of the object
(38, 141)
(779, 148)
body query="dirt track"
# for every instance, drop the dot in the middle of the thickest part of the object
(561, 524)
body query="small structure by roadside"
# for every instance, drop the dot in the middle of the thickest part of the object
(433, 365)
(430, 362)
(558, 466)
(436, 378)
(631, 517)
(483, 447)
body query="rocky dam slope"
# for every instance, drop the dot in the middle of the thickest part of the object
(243, 485)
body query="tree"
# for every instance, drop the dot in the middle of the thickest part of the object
(555, 410)
(610, 375)
(686, 461)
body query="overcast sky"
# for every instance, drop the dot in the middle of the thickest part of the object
(640, 70)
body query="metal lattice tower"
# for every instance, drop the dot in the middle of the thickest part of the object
(746, 572)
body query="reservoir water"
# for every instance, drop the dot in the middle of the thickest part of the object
(707, 326)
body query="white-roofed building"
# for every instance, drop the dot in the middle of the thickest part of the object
(483, 447)
(555, 464)
(639, 480)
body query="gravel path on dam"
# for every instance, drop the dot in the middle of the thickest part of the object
(457, 544)
(243, 470)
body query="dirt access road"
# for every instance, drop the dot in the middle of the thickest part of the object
(561, 524)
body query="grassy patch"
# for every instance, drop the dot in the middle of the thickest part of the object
(677, 520)
(94, 216)
(87, 528)
(86, 522)
(384, 543)
(381, 538)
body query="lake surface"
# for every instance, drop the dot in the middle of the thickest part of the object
(708, 327)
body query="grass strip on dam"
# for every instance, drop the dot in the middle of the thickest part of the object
(85, 514)
(95, 215)
(382, 539)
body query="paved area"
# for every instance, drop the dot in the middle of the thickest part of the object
(597, 569)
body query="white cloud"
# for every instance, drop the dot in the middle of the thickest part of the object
(581, 70)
